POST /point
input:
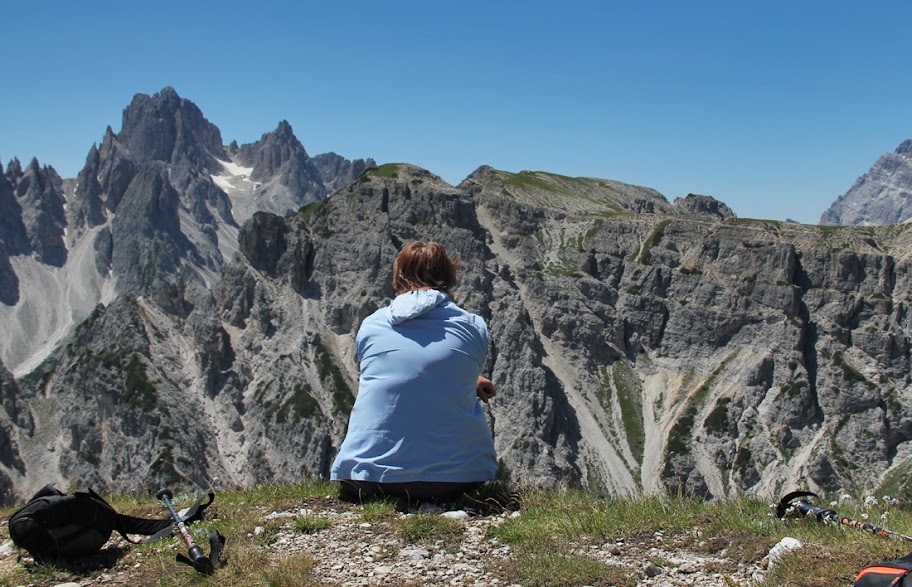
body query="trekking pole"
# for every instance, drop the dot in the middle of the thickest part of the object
(200, 561)
(807, 508)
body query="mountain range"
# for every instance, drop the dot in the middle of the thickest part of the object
(160, 198)
(638, 345)
(883, 195)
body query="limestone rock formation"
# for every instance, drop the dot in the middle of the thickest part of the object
(883, 195)
(285, 177)
(14, 420)
(696, 204)
(636, 346)
(39, 192)
(161, 200)
(338, 172)
(13, 241)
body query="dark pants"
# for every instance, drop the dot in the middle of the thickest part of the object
(357, 491)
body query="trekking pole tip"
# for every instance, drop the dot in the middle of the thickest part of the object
(164, 493)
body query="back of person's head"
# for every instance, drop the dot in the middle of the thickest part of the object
(421, 265)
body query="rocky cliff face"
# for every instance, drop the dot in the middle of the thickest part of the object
(636, 346)
(15, 419)
(13, 240)
(159, 201)
(338, 172)
(282, 174)
(881, 196)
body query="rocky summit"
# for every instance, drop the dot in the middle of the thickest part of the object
(637, 345)
(161, 200)
(883, 195)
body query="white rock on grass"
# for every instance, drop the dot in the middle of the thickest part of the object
(783, 547)
(456, 515)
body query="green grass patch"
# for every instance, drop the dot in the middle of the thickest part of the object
(604, 393)
(330, 374)
(525, 181)
(629, 397)
(850, 372)
(311, 524)
(565, 268)
(542, 568)
(321, 208)
(386, 171)
(429, 528)
(378, 511)
(829, 231)
(715, 422)
(138, 392)
(898, 483)
(593, 230)
(550, 518)
(300, 404)
(680, 433)
(294, 571)
(645, 256)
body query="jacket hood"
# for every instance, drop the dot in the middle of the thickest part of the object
(414, 303)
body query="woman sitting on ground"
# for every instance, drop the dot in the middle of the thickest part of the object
(417, 429)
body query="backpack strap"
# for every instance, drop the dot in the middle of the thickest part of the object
(47, 491)
(158, 529)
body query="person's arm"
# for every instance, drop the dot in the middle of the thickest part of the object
(484, 389)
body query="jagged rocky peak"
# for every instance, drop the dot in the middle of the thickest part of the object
(282, 176)
(88, 209)
(165, 127)
(13, 170)
(883, 195)
(703, 205)
(272, 151)
(338, 172)
(13, 241)
(39, 191)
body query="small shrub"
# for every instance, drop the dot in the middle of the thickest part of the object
(139, 392)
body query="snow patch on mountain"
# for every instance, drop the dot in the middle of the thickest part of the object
(236, 183)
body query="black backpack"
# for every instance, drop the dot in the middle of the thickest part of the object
(897, 573)
(53, 524)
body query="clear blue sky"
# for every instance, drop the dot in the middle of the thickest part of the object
(773, 107)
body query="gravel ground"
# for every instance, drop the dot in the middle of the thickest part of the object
(351, 552)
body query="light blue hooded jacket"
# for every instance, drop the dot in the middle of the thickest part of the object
(417, 417)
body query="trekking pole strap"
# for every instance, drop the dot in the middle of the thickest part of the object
(807, 508)
(164, 528)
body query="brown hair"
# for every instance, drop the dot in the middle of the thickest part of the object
(422, 265)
